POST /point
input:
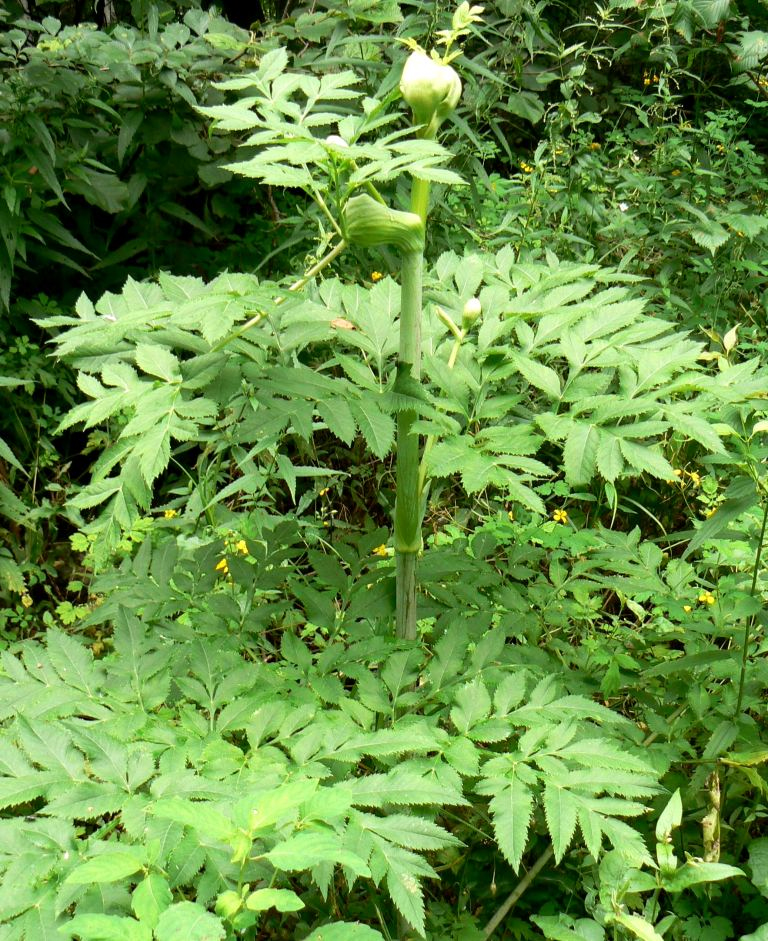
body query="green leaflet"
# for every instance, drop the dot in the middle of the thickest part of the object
(344, 932)
(512, 807)
(188, 920)
(106, 928)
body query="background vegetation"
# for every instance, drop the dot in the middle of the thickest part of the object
(209, 728)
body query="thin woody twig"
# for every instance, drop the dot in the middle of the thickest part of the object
(515, 894)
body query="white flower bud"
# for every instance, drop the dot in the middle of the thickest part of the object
(336, 141)
(472, 310)
(431, 89)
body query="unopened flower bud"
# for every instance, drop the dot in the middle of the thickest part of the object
(472, 310)
(336, 141)
(368, 223)
(430, 88)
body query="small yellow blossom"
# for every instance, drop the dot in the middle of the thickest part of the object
(710, 512)
(595, 146)
(526, 167)
(170, 514)
(26, 600)
(221, 566)
(322, 493)
(560, 516)
(695, 478)
(511, 516)
(646, 81)
(687, 608)
(242, 547)
(675, 173)
(381, 551)
(706, 597)
(376, 276)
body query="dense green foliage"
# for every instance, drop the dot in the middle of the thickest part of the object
(209, 729)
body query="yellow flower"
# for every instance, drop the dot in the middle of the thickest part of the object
(646, 81)
(322, 493)
(710, 512)
(26, 600)
(511, 516)
(675, 173)
(526, 167)
(687, 608)
(381, 551)
(221, 566)
(695, 478)
(560, 516)
(376, 276)
(595, 146)
(241, 547)
(706, 597)
(170, 514)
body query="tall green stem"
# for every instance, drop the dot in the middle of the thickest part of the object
(750, 622)
(408, 508)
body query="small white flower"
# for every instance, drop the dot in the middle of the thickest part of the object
(623, 207)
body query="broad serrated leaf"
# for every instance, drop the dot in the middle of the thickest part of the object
(408, 831)
(190, 922)
(642, 459)
(376, 427)
(473, 704)
(196, 814)
(107, 867)
(306, 849)
(539, 375)
(710, 236)
(106, 928)
(401, 788)
(610, 462)
(150, 899)
(580, 453)
(344, 931)
(560, 810)
(156, 360)
(511, 808)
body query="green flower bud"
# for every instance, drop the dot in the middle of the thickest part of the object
(472, 310)
(368, 223)
(431, 89)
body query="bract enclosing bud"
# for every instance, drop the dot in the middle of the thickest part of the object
(472, 310)
(368, 223)
(431, 89)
